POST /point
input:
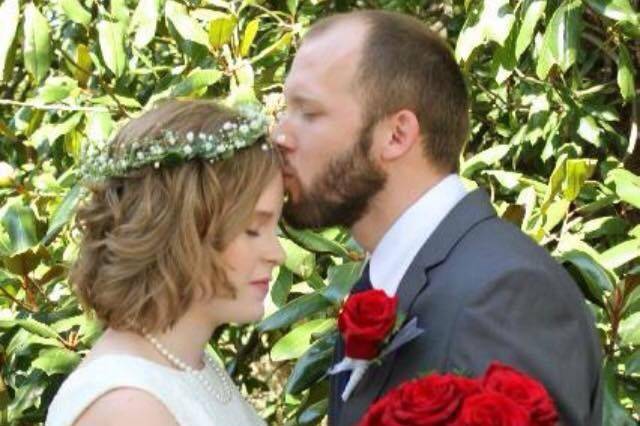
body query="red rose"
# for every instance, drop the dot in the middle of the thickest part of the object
(492, 409)
(431, 401)
(524, 390)
(366, 320)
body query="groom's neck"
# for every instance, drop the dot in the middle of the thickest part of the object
(401, 191)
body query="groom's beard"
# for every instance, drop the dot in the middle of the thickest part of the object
(339, 196)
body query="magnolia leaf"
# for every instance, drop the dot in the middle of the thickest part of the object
(493, 22)
(534, 11)
(295, 343)
(111, 39)
(76, 11)
(188, 28)
(36, 48)
(9, 16)
(221, 30)
(626, 74)
(561, 39)
(250, 32)
(144, 22)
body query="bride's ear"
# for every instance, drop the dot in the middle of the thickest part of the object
(401, 132)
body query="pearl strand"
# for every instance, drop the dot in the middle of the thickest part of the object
(224, 396)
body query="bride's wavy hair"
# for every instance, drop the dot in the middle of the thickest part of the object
(152, 240)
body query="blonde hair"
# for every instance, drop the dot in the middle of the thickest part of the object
(151, 240)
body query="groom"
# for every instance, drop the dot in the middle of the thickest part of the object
(376, 119)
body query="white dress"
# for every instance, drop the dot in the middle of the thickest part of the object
(183, 395)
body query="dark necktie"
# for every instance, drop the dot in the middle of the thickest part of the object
(363, 284)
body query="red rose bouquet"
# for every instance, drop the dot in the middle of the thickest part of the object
(503, 396)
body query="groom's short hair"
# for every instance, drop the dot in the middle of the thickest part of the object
(406, 65)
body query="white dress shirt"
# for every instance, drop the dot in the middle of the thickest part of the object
(401, 243)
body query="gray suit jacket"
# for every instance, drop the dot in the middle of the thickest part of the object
(483, 291)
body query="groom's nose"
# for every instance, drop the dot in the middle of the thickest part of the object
(281, 137)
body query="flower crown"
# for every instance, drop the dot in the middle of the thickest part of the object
(99, 161)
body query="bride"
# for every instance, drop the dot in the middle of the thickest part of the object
(179, 237)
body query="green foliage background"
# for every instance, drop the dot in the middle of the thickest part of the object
(554, 138)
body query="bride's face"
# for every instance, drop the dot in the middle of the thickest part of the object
(250, 259)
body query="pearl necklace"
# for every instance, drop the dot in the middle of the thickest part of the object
(224, 396)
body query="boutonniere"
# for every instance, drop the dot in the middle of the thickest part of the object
(371, 328)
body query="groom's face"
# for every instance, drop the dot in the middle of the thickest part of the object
(329, 174)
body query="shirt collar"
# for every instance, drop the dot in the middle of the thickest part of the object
(400, 244)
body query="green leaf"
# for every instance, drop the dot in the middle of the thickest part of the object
(534, 11)
(221, 30)
(9, 16)
(250, 32)
(36, 327)
(144, 22)
(314, 413)
(614, 413)
(577, 172)
(20, 223)
(299, 261)
(302, 307)
(484, 159)
(315, 242)
(36, 47)
(56, 89)
(292, 5)
(627, 186)
(632, 366)
(99, 126)
(626, 74)
(621, 254)
(561, 39)
(630, 330)
(590, 275)
(120, 11)
(188, 28)
(281, 288)
(313, 365)
(49, 133)
(76, 12)
(341, 278)
(617, 10)
(606, 225)
(56, 361)
(295, 343)
(492, 23)
(111, 39)
(280, 44)
(589, 130)
(195, 81)
(63, 213)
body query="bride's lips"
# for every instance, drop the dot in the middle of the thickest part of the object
(261, 284)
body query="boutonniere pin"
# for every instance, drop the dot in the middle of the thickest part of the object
(371, 328)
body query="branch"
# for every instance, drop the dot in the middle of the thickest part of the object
(51, 107)
(16, 301)
(103, 83)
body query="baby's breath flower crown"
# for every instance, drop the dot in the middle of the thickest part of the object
(99, 161)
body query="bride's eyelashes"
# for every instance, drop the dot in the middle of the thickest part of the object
(252, 233)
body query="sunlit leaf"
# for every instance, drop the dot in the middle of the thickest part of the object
(36, 47)
(561, 39)
(76, 11)
(9, 16)
(111, 38)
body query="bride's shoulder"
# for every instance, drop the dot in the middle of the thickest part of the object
(126, 406)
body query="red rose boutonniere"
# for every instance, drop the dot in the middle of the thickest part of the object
(371, 327)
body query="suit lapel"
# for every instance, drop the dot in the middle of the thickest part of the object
(475, 207)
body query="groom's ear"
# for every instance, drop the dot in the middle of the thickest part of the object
(401, 134)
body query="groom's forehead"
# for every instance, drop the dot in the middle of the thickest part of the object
(318, 58)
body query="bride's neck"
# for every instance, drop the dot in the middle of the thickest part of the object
(188, 338)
